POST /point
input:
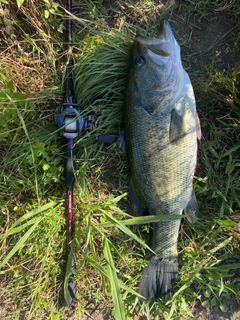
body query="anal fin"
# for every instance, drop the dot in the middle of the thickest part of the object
(192, 208)
(121, 142)
(136, 207)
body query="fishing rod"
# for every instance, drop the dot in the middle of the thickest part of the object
(70, 123)
(68, 120)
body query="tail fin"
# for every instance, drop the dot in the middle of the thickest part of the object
(158, 278)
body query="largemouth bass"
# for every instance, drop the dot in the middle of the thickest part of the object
(161, 128)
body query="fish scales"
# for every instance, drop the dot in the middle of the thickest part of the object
(165, 191)
(161, 128)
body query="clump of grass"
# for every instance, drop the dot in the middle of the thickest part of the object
(221, 146)
(31, 222)
(100, 77)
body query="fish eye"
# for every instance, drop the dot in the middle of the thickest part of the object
(139, 61)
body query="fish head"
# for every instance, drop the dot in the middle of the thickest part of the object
(156, 72)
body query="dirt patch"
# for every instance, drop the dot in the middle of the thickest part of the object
(207, 40)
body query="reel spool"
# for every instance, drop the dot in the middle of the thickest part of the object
(68, 120)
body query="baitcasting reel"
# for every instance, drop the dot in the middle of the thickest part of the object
(71, 124)
(68, 120)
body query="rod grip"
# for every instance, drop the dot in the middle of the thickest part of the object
(70, 167)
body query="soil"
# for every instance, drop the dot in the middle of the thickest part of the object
(206, 39)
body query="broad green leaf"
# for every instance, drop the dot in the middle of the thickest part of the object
(146, 220)
(22, 224)
(221, 287)
(87, 241)
(34, 212)
(19, 3)
(223, 307)
(118, 224)
(20, 228)
(46, 14)
(104, 272)
(228, 152)
(228, 267)
(119, 312)
(97, 266)
(20, 243)
(10, 86)
(171, 311)
(221, 245)
(70, 271)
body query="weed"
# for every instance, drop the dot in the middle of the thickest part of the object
(110, 245)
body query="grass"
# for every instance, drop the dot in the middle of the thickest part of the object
(110, 245)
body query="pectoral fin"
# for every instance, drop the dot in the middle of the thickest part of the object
(198, 128)
(177, 128)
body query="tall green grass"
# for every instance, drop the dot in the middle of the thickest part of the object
(110, 245)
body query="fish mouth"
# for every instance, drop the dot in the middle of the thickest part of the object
(164, 31)
(164, 35)
(159, 57)
(160, 46)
